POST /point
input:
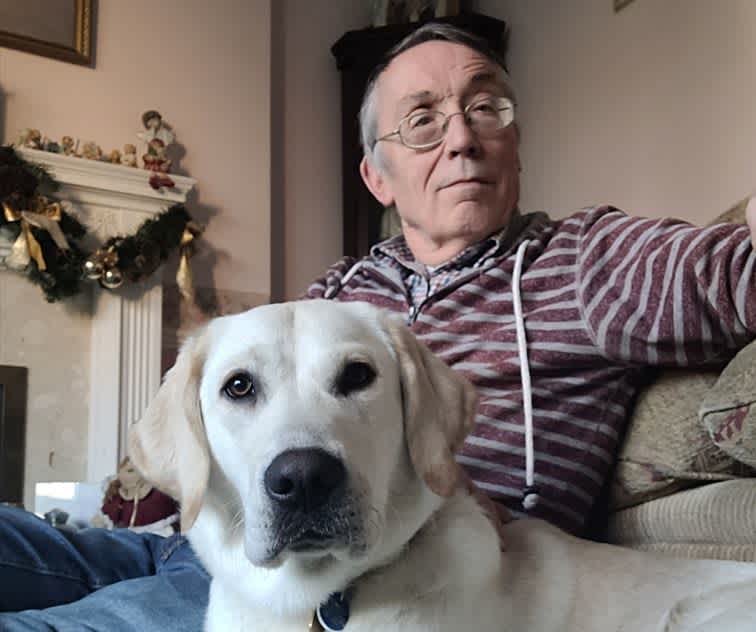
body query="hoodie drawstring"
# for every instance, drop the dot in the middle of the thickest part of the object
(530, 492)
(334, 289)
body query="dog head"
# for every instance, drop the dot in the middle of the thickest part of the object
(306, 442)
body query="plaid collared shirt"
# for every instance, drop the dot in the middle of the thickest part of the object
(422, 281)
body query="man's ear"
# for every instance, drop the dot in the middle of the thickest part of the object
(376, 182)
(168, 444)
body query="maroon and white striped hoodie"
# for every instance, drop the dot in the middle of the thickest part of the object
(603, 296)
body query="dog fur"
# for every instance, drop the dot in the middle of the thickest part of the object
(416, 550)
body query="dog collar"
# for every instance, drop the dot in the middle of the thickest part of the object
(332, 615)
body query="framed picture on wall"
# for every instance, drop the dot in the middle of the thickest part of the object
(61, 29)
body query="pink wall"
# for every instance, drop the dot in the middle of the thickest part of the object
(206, 67)
(311, 183)
(253, 93)
(651, 109)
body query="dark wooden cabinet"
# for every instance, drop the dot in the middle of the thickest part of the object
(357, 53)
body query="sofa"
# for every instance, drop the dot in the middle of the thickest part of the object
(685, 479)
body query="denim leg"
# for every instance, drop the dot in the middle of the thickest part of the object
(41, 566)
(110, 580)
(173, 599)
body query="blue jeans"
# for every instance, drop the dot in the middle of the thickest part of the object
(96, 580)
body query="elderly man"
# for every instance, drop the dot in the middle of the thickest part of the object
(551, 320)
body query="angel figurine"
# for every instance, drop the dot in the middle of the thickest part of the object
(154, 127)
(157, 136)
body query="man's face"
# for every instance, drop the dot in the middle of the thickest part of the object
(462, 190)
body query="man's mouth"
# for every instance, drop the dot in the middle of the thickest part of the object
(466, 182)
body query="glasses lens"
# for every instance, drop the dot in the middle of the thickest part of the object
(422, 128)
(490, 115)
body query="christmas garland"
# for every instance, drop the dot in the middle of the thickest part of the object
(45, 237)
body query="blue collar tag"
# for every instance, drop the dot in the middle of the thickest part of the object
(334, 613)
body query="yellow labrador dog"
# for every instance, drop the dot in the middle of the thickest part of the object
(311, 446)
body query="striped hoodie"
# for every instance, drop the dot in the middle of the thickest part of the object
(604, 296)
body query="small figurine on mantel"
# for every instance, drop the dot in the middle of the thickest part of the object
(30, 138)
(156, 161)
(131, 501)
(91, 151)
(68, 147)
(157, 136)
(129, 156)
(48, 144)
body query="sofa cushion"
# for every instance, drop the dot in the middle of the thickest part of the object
(666, 448)
(716, 521)
(733, 215)
(728, 411)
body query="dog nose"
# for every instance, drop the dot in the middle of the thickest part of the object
(304, 479)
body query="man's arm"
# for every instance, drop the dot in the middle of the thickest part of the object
(664, 292)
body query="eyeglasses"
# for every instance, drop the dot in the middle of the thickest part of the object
(426, 129)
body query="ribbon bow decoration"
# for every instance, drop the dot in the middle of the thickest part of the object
(184, 278)
(45, 215)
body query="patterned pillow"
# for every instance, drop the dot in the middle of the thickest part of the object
(666, 448)
(728, 412)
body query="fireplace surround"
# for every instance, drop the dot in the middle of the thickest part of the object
(121, 332)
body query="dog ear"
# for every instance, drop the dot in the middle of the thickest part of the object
(439, 410)
(168, 444)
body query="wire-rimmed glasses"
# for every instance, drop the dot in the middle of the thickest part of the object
(427, 128)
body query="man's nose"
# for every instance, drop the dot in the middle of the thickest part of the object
(460, 137)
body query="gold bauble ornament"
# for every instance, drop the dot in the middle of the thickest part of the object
(112, 278)
(92, 269)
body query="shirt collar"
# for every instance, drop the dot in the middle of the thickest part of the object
(397, 250)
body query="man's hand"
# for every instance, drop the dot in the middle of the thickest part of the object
(750, 214)
(496, 513)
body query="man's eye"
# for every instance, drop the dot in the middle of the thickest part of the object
(239, 386)
(355, 376)
(421, 119)
(486, 106)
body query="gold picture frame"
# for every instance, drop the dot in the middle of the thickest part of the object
(77, 49)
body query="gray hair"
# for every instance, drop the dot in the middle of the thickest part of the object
(431, 31)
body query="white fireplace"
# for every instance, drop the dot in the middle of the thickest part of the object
(124, 354)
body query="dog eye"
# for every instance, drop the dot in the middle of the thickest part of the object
(240, 385)
(354, 377)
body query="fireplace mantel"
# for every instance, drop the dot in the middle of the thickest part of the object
(126, 324)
